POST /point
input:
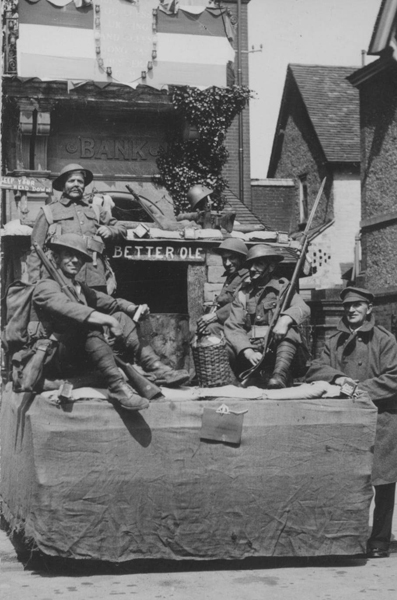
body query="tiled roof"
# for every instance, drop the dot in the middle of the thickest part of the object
(243, 214)
(333, 107)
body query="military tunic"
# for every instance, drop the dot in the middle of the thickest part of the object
(70, 216)
(253, 306)
(226, 296)
(367, 355)
(56, 315)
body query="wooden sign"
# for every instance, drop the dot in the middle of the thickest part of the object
(159, 252)
(25, 184)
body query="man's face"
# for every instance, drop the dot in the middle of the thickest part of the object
(232, 262)
(356, 313)
(69, 262)
(74, 185)
(261, 268)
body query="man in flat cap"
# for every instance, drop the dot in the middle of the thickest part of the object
(364, 354)
(74, 213)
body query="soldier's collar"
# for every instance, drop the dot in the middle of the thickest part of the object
(367, 326)
(272, 283)
(68, 201)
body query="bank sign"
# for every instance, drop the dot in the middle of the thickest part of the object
(159, 252)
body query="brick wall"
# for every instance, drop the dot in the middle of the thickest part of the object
(378, 107)
(231, 171)
(273, 202)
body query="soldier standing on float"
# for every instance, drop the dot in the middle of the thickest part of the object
(233, 252)
(364, 354)
(73, 213)
(251, 313)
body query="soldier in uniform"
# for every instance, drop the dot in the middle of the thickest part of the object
(233, 252)
(364, 354)
(73, 213)
(251, 313)
(78, 325)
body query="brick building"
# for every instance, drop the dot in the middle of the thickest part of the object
(317, 136)
(377, 86)
(273, 202)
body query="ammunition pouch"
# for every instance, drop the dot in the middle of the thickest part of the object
(28, 366)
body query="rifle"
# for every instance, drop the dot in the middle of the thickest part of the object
(286, 295)
(144, 387)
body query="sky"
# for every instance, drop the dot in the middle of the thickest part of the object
(312, 32)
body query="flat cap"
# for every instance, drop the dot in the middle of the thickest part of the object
(355, 294)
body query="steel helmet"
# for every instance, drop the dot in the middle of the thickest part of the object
(197, 193)
(263, 251)
(59, 182)
(71, 241)
(233, 245)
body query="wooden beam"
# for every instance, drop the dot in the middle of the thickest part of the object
(384, 219)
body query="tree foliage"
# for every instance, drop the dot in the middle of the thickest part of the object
(184, 163)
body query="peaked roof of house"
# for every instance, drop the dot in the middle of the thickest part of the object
(243, 214)
(332, 105)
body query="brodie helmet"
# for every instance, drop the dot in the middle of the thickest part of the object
(72, 241)
(233, 245)
(197, 193)
(263, 251)
(59, 182)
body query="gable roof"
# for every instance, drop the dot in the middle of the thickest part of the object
(243, 214)
(332, 105)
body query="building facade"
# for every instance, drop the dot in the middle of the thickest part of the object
(317, 137)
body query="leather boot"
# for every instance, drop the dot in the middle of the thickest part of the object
(162, 374)
(102, 357)
(281, 377)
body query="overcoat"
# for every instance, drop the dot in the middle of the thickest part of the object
(367, 355)
(70, 216)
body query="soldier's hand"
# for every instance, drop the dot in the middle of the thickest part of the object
(104, 232)
(281, 328)
(253, 356)
(115, 329)
(204, 321)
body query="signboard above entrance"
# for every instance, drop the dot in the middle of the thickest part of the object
(159, 251)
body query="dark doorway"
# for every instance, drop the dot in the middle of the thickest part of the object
(163, 286)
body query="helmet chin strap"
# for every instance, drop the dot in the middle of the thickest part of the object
(266, 274)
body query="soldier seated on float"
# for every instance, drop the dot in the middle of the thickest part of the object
(250, 315)
(87, 327)
(233, 252)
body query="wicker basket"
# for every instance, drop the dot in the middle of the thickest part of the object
(212, 365)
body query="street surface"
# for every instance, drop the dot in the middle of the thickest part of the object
(255, 579)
